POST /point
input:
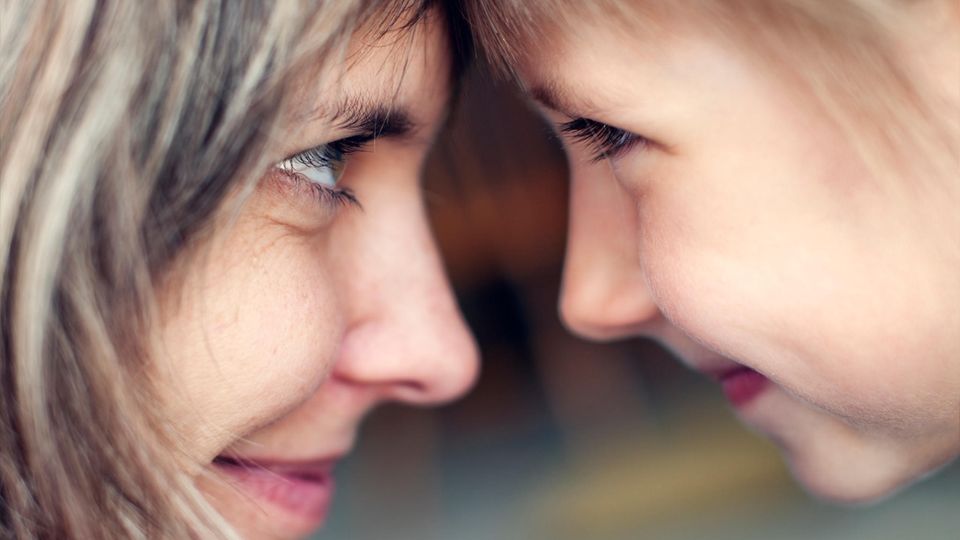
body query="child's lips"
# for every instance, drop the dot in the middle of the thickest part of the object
(742, 385)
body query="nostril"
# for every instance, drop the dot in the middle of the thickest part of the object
(410, 391)
(439, 387)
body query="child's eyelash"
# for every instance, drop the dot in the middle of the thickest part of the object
(603, 140)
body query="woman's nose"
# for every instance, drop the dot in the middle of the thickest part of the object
(604, 295)
(407, 340)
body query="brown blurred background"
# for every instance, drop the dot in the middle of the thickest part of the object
(563, 439)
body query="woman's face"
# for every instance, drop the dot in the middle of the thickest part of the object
(749, 238)
(305, 310)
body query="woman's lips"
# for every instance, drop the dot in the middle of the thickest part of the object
(302, 490)
(742, 385)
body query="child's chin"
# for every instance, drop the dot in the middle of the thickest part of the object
(855, 486)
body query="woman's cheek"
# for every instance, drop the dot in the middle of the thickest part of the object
(291, 323)
(254, 333)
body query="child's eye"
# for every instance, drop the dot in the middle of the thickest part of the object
(603, 140)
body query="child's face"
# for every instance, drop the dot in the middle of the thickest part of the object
(749, 234)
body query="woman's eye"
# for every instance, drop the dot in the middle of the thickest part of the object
(319, 169)
(322, 165)
(603, 140)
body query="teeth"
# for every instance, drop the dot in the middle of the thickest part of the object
(223, 460)
(309, 476)
(305, 474)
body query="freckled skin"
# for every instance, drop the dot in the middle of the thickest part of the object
(297, 318)
(755, 234)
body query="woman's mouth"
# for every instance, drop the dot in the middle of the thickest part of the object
(302, 490)
(742, 385)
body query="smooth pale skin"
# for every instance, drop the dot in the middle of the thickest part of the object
(296, 318)
(753, 234)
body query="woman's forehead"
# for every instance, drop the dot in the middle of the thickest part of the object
(403, 78)
(399, 69)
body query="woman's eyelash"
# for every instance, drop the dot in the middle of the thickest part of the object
(332, 152)
(318, 169)
(328, 196)
(604, 140)
(330, 155)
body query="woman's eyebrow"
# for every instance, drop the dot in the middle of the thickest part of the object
(371, 118)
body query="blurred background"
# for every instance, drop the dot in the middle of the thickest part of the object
(563, 439)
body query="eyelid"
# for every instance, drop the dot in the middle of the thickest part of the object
(327, 197)
(604, 140)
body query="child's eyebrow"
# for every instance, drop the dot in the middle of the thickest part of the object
(552, 95)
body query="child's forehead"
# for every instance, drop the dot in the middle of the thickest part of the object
(516, 33)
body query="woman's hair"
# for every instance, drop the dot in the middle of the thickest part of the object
(841, 54)
(123, 127)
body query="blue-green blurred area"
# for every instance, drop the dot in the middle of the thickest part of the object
(564, 439)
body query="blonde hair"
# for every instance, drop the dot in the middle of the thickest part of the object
(123, 126)
(839, 53)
